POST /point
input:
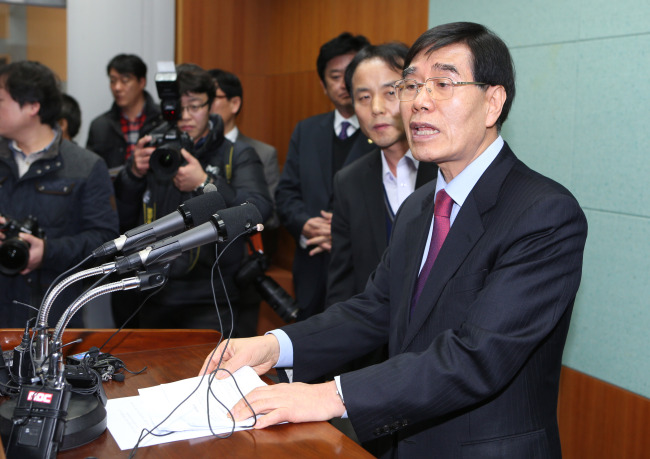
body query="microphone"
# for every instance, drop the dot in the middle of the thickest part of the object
(222, 226)
(191, 213)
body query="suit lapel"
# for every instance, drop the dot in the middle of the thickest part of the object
(464, 234)
(407, 271)
(373, 197)
(426, 173)
(361, 147)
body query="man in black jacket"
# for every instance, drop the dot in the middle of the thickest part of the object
(44, 176)
(113, 134)
(187, 299)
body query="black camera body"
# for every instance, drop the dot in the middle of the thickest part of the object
(167, 158)
(252, 272)
(14, 251)
(167, 138)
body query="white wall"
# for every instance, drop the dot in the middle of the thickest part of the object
(100, 29)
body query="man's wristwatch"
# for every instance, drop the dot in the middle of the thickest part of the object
(208, 179)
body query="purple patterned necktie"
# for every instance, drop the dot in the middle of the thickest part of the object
(441, 212)
(343, 133)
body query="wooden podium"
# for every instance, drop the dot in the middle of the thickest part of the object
(171, 355)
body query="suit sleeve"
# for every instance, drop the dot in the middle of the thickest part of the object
(288, 195)
(526, 292)
(272, 170)
(340, 274)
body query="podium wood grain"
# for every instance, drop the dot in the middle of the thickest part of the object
(170, 355)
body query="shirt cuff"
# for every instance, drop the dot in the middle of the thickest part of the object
(303, 241)
(337, 380)
(286, 349)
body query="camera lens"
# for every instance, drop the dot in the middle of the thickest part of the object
(165, 160)
(279, 300)
(14, 256)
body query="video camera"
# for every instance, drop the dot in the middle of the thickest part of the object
(252, 272)
(14, 251)
(167, 138)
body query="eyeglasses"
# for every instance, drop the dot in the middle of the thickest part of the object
(438, 88)
(193, 108)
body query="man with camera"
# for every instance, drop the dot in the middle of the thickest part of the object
(56, 199)
(144, 194)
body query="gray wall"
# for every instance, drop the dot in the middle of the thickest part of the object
(98, 30)
(101, 29)
(581, 117)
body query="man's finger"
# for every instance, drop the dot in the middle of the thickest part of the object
(270, 419)
(315, 251)
(143, 141)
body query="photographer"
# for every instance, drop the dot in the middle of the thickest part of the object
(187, 301)
(65, 188)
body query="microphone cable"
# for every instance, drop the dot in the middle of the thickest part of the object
(145, 432)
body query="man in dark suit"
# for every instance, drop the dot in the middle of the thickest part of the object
(368, 192)
(320, 146)
(475, 326)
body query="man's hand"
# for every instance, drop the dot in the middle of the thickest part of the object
(318, 231)
(295, 402)
(141, 155)
(191, 175)
(259, 353)
(36, 249)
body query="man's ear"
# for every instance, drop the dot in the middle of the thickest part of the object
(496, 97)
(63, 124)
(142, 83)
(235, 104)
(32, 108)
(322, 85)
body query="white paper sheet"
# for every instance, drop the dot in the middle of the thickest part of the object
(129, 415)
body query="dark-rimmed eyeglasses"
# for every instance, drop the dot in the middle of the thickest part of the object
(193, 108)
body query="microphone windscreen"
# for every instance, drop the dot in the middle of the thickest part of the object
(202, 207)
(236, 220)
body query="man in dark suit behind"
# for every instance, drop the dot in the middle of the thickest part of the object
(368, 192)
(475, 344)
(320, 146)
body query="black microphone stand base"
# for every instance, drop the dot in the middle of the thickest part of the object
(85, 421)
